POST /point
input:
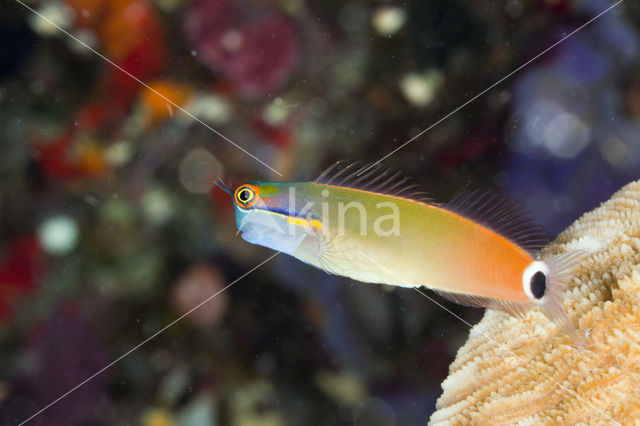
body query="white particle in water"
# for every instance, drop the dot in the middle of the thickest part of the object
(58, 234)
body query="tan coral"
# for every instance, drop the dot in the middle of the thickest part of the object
(529, 373)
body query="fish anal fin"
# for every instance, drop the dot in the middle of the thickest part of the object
(516, 309)
(502, 215)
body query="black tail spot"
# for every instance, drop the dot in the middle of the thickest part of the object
(538, 284)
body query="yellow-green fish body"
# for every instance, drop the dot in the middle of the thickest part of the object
(372, 225)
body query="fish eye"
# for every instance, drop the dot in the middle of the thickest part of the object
(535, 280)
(246, 195)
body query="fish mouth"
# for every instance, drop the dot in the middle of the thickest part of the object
(248, 235)
(269, 233)
(252, 231)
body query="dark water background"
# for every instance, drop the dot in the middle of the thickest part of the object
(110, 227)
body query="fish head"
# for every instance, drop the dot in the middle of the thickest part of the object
(263, 217)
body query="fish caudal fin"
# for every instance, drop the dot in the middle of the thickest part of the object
(561, 272)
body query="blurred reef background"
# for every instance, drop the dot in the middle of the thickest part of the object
(111, 227)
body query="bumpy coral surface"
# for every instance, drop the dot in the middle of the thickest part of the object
(525, 371)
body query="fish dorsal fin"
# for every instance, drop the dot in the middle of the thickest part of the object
(373, 178)
(501, 215)
(516, 309)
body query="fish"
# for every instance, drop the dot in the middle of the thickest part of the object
(375, 225)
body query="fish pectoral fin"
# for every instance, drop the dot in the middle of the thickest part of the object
(339, 254)
(516, 309)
